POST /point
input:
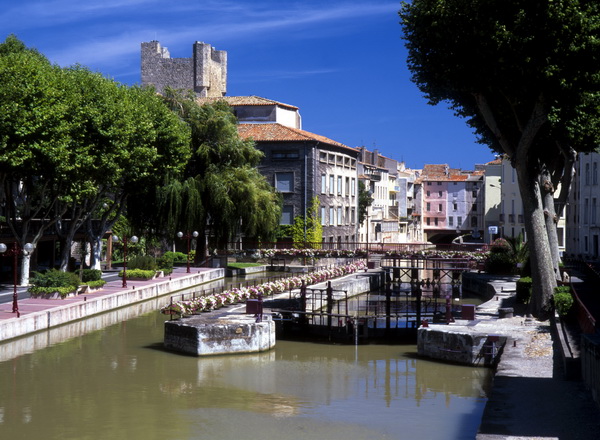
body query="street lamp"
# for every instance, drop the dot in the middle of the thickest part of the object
(188, 236)
(132, 239)
(15, 251)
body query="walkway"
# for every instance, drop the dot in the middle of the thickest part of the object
(112, 293)
(531, 398)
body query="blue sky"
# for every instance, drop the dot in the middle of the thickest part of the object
(342, 62)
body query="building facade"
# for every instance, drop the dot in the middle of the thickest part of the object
(303, 165)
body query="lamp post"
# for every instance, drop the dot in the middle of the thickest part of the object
(132, 239)
(188, 236)
(15, 251)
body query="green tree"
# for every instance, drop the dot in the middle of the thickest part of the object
(525, 75)
(308, 232)
(221, 193)
(35, 149)
(365, 199)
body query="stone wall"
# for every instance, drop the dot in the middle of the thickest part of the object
(205, 72)
(590, 364)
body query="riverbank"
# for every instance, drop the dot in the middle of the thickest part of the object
(37, 314)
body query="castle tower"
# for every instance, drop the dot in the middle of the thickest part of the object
(205, 72)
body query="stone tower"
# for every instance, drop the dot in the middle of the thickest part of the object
(205, 72)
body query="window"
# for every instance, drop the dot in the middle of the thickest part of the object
(428, 223)
(474, 207)
(339, 191)
(459, 221)
(284, 182)
(285, 154)
(323, 213)
(450, 221)
(331, 216)
(455, 206)
(347, 215)
(586, 210)
(474, 193)
(439, 194)
(474, 221)
(340, 219)
(440, 207)
(331, 184)
(439, 183)
(347, 187)
(593, 220)
(428, 206)
(353, 215)
(435, 221)
(323, 183)
(428, 193)
(287, 215)
(587, 173)
(353, 187)
(428, 183)
(595, 174)
(322, 156)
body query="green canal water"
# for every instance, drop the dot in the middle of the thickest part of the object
(109, 378)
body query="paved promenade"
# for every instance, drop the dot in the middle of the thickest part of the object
(38, 314)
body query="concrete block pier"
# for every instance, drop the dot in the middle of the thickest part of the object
(203, 335)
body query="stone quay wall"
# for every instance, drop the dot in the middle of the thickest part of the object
(90, 306)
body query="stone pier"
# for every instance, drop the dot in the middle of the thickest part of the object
(205, 335)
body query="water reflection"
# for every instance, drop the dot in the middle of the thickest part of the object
(117, 382)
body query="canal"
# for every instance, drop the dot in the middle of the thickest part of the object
(112, 379)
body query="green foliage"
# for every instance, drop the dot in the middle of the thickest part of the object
(365, 200)
(143, 262)
(63, 292)
(309, 233)
(175, 257)
(242, 265)
(96, 284)
(139, 274)
(563, 300)
(91, 275)
(500, 263)
(55, 278)
(523, 295)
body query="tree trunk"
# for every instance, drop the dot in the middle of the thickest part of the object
(96, 253)
(542, 273)
(25, 266)
(551, 220)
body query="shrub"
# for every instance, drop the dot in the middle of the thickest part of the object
(563, 300)
(500, 262)
(139, 273)
(96, 284)
(62, 291)
(177, 257)
(523, 295)
(166, 261)
(143, 262)
(91, 275)
(55, 278)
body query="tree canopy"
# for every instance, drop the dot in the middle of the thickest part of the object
(221, 192)
(526, 76)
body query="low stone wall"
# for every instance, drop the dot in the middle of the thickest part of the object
(459, 347)
(232, 334)
(49, 318)
(590, 364)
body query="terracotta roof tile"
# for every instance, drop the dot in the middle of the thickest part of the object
(278, 133)
(244, 100)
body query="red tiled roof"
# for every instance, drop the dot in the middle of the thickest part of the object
(244, 100)
(279, 133)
